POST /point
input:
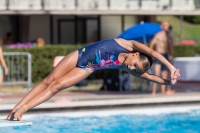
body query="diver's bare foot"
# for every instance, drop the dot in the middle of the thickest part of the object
(19, 113)
(10, 116)
(12, 113)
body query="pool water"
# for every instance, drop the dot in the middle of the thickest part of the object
(162, 123)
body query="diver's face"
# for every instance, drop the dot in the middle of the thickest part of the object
(133, 62)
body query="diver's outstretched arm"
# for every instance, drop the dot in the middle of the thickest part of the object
(146, 50)
(154, 78)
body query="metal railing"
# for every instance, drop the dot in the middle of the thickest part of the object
(99, 4)
(19, 66)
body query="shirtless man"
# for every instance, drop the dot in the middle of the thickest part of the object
(162, 43)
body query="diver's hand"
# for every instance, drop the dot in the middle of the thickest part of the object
(175, 74)
(173, 81)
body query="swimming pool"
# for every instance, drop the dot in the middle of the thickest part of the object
(118, 121)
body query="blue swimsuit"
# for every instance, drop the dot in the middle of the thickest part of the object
(100, 55)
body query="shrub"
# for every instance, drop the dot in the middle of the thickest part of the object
(185, 50)
(192, 19)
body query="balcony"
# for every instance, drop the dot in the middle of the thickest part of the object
(97, 6)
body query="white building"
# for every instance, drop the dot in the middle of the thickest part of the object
(82, 21)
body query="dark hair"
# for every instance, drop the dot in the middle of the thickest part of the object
(146, 60)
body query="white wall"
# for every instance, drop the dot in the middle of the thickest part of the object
(39, 26)
(111, 26)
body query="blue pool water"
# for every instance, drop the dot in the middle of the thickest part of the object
(162, 123)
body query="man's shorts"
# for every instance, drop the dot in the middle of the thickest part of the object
(163, 67)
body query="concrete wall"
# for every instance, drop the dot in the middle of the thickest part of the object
(129, 21)
(92, 31)
(111, 26)
(55, 26)
(5, 25)
(24, 28)
(39, 26)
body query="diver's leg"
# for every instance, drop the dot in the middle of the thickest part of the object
(74, 76)
(64, 66)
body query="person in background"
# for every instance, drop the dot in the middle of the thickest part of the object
(1, 41)
(171, 42)
(7, 39)
(163, 43)
(40, 41)
(3, 66)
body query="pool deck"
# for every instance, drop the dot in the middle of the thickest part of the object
(186, 92)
